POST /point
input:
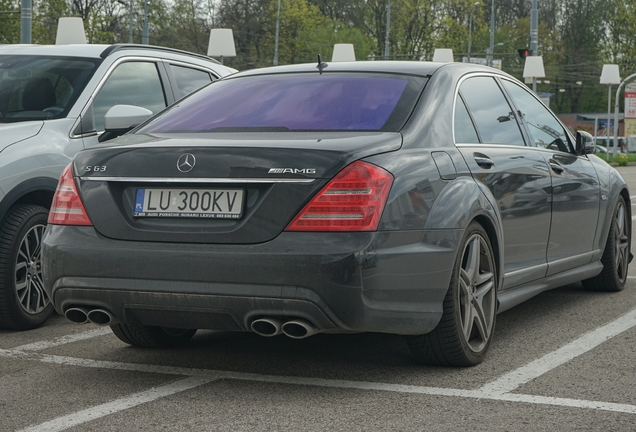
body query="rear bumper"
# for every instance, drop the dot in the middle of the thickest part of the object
(389, 282)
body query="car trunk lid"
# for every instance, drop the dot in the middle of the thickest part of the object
(237, 188)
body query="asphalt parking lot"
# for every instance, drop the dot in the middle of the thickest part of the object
(564, 359)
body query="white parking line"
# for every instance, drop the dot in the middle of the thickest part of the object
(63, 340)
(89, 414)
(499, 389)
(583, 344)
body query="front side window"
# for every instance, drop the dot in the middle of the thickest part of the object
(545, 130)
(493, 116)
(39, 87)
(296, 102)
(131, 83)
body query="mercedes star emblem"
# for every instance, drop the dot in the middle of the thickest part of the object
(186, 162)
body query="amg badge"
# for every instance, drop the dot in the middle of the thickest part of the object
(292, 171)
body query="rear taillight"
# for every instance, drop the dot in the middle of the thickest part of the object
(352, 201)
(67, 207)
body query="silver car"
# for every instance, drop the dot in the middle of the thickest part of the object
(53, 101)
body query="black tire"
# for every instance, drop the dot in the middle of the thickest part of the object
(616, 256)
(466, 329)
(151, 336)
(23, 302)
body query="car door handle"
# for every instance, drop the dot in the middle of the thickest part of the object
(484, 162)
(556, 167)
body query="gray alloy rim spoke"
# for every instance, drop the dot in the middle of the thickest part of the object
(480, 321)
(22, 290)
(20, 265)
(476, 286)
(620, 242)
(28, 272)
(473, 260)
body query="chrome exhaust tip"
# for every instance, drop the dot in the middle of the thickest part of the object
(100, 317)
(267, 327)
(299, 329)
(77, 315)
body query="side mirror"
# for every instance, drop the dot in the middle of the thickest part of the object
(119, 119)
(584, 143)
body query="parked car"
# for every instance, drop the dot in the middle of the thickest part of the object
(600, 149)
(407, 198)
(52, 104)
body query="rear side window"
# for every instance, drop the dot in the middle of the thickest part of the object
(296, 102)
(464, 129)
(493, 115)
(188, 79)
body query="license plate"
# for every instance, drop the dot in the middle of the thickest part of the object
(189, 203)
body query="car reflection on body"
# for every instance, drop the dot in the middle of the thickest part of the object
(342, 197)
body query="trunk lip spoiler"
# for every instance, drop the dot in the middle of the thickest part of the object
(195, 180)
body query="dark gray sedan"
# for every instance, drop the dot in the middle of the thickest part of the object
(399, 197)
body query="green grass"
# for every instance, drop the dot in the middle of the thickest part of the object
(622, 158)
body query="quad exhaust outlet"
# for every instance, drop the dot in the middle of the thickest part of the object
(295, 329)
(83, 315)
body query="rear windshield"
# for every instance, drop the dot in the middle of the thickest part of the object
(296, 102)
(40, 87)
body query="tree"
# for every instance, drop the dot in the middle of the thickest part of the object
(9, 22)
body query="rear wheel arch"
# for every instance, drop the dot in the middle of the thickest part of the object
(36, 191)
(490, 229)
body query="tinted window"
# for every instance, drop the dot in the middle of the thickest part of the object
(545, 130)
(493, 116)
(300, 102)
(189, 80)
(37, 87)
(132, 83)
(464, 128)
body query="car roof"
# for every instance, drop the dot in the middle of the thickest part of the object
(90, 50)
(79, 50)
(399, 67)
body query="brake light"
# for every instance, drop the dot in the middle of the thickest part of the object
(67, 207)
(352, 201)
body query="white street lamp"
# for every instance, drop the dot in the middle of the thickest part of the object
(470, 28)
(443, 55)
(610, 75)
(70, 30)
(343, 53)
(221, 43)
(533, 68)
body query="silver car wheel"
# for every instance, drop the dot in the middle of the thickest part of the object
(477, 297)
(28, 272)
(621, 241)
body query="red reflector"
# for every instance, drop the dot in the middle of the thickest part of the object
(352, 201)
(67, 207)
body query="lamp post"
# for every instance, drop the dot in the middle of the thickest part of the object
(470, 28)
(276, 37)
(491, 48)
(145, 31)
(130, 25)
(388, 30)
(610, 75)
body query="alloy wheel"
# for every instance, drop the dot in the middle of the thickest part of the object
(28, 272)
(621, 241)
(477, 296)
